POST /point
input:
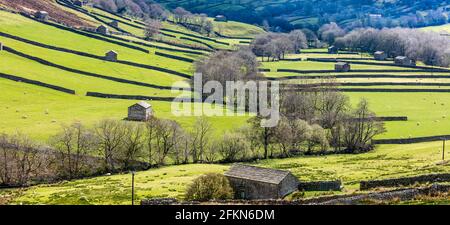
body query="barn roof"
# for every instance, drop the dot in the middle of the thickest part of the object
(342, 63)
(259, 174)
(379, 52)
(143, 104)
(401, 57)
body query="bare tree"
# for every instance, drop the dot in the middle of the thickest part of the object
(153, 27)
(200, 137)
(73, 144)
(111, 134)
(360, 128)
(133, 144)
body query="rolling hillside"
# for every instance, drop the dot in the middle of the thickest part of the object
(289, 14)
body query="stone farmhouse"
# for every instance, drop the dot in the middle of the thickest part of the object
(380, 55)
(333, 50)
(342, 67)
(404, 61)
(141, 111)
(221, 18)
(102, 29)
(41, 15)
(114, 23)
(250, 182)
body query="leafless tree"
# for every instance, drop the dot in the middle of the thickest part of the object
(360, 128)
(73, 144)
(111, 135)
(200, 137)
(152, 28)
(133, 144)
(329, 32)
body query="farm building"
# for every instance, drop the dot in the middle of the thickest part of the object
(78, 3)
(404, 61)
(221, 18)
(380, 55)
(342, 67)
(102, 29)
(114, 23)
(140, 111)
(41, 15)
(111, 56)
(250, 182)
(1, 46)
(333, 50)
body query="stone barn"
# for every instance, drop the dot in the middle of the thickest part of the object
(41, 15)
(404, 61)
(380, 55)
(342, 67)
(333, 50)
(111, 56)
(114, 23)
(78, 3)
(141, 111)
(250, 182)
(221, 18)
(102, 29)
(1, 46)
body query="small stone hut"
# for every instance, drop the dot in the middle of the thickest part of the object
(141, 111)
(111, 56)
(221, 18)
(41, 15)
(250, 182)
(380, 55)
(342, 67)
(114, 23)
(78, 3)
(102, 29)
(333, 50)
(1, 46)
(404, 61)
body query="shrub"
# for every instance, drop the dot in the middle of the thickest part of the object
(211, 186)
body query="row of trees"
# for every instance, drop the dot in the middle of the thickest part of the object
(277, 45)
(428, 47)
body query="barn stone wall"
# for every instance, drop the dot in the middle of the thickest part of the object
(253, 189)
(288, 185)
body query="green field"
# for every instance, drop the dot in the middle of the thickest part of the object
(386, 161)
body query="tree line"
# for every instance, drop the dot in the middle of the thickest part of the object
(429, 47)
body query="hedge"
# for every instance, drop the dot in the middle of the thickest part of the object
(38, 83)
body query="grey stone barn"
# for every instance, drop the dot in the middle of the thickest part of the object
(41, 15)
(102, 29)
(111, 56)
(333, 50)
(250, 182)
(221, 18)
(380, 55)
(141, 111)
(342, 67)
(404, 61)
(78, 3)
(114, 23)
(1, 46)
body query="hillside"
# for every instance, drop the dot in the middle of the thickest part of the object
(290, 14)
(54, 73)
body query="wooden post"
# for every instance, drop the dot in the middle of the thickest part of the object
(443, 150)
(132, 188)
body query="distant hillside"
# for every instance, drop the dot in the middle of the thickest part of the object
(289, 14)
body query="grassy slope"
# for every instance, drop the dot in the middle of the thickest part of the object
(385, 162)
(20, 100)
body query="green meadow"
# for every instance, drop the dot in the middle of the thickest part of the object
(387, 161)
